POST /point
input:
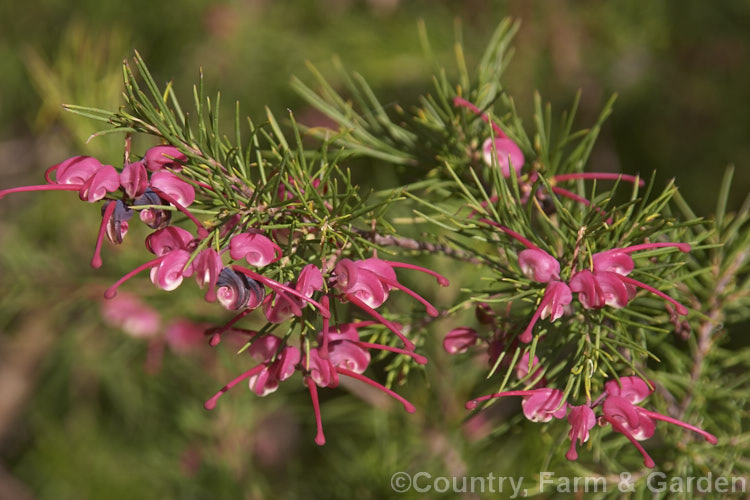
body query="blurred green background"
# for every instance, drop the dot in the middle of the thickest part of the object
(79, 416)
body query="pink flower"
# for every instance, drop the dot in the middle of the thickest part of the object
(115, 217)
(236, 291)
(160, 157)
(522, 369)
(207, 265)
(175, 188)
(539, 405)
(256, 249)
(172, 246)
(459, 340)
(155, 218)
(183, 335)
(581, 420)
(130, 314)
(170, 238)
(507, 154)
(636, 423)
(538, 265)
(170, 270)
(557, 295)
(134, 179)
(84, 174)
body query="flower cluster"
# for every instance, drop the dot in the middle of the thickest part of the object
(231, 263)
(606, 284)
(617, 407)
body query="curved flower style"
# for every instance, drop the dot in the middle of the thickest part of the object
(256, 249)
(539, 405)
(160, 157)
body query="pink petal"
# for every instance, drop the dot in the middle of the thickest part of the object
(258, 250)
(507, 153)
(173, 186)
(160, 157)
(76, 170)
(170, 238)
(134, 179)
(169, 273)
(459, 340)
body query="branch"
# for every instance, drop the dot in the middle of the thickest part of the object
(412, 244)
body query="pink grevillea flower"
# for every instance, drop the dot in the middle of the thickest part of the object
(278, 363)
(581, 420)
(609, 283)
(367, 283)
(522, 370)
(539, 405)
(344, 348)
(171, 269)
(155, 218)
(538, 265)
(236, 291)
(459, 340)
(507, 154)
(207, 265)
(256, 249)
(115, 217)
(635, 422)
(320, 372)
(282, 306)
(84, 174)
(184, 336)
(167, 183)
(618, 260)
(172, 245)
(134, 179)
(160, 157)
(131, 315)
(557, 295)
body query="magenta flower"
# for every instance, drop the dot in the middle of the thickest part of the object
(256, 249)
(507, 154)
(278, 363)
(236, 291)
(183, 335)
(134, 179)
(522, 369)
(115, 217)
(459, 340)
(160, 157)
(170, 270)
(172, 244)
(557, 295)
(538, 265)
(581, 420)
(207, 265)
(282, 306)
(636, 423)
(155, 218)
(539, 405)
(84, 174)
(609, 283)
(131, 315)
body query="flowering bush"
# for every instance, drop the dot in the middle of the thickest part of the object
(583, 286)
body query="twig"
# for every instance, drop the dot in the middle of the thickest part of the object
(419, 246)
